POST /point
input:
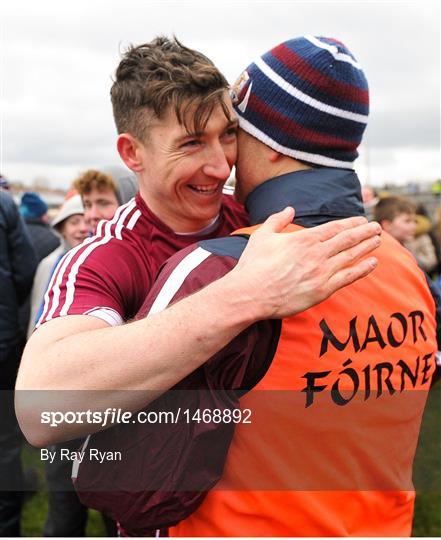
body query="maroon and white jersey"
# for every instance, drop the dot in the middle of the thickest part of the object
(109, 274)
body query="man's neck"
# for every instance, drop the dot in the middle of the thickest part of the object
(287, 165)
(272, 169)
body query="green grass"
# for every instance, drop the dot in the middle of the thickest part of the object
(427, 478)
(36, 507)
(427, 470)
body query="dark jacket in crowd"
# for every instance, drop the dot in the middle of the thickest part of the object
(18, 263)
(43, 238)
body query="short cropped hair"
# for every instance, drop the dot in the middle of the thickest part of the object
(155, 76)
(92, 179)
(388, 208)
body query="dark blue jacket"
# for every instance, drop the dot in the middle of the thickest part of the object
(18, 263)
(43, 238)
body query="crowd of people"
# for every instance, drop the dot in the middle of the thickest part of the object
(128, 262)
(411, 224)
(34, 245)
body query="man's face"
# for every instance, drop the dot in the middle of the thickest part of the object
(183, 173)
(402, 227)
(98, 205)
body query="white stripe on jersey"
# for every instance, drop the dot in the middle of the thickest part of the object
(58, 276)
(134, 219)
(120, 223)
(108, 315)
(70, 285)
(177, 278)
(76, 463)
(62, 265)
(99, 227)
(304, 98)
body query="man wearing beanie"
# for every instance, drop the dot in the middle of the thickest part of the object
(34, 211)
(323, 437)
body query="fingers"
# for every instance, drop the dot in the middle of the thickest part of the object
(350, 238)
(332, 228)
(277, 222)
(349, 256)
(349, 275)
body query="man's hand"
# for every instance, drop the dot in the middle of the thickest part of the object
(282, 274)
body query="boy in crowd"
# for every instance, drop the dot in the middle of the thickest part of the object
(102, 194)
(397, 216)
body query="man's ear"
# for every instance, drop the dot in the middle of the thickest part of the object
(128, 148)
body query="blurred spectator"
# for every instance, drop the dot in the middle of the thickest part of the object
(34, 210)
(422, 246)
(4, 184)
(71, 226)
(71, 193)
(437, 225)
(397, 216)
(413, 188)
(66, 516)
(102, 194)
(426, 246)
(17, 266)
(370, 199)
(436, 188)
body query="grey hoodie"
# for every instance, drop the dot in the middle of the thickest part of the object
(126, 188)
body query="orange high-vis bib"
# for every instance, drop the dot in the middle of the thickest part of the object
(335, 420)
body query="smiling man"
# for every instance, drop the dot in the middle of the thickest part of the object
(177, 132)
(187, 169)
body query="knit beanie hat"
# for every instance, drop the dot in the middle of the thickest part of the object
(308, 99)
(71, 207)
(32, 205)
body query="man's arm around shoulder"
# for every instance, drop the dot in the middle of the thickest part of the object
(277, 275)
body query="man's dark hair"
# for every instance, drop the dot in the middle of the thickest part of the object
(155, 76)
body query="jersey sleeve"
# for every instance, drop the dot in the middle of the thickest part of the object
(94, 279)
(242, 362)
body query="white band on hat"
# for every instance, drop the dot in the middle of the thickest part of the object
(334, 51)
(296, 154)
(308, 100)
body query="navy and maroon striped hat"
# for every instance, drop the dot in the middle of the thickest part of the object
(307, 98)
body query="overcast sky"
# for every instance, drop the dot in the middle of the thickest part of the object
(57, 59)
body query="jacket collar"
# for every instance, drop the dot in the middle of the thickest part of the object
(318, 196)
